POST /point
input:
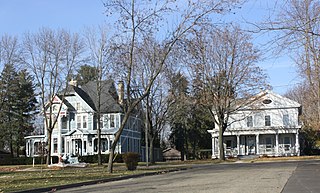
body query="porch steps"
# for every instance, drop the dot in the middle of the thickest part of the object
(247, 157)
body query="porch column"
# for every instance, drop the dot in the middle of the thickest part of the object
(82, 145)
(238, 144)
(277, 144)
(59, 145)
(213, 139)
(31, 147)
(217, 147)
(297, 143)
(257, 144)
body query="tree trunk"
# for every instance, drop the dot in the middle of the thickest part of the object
(221, 146)
(152, 161)
(110, 162)
(146, 137)
(11, 146)
(116, 139)
(99, 140)
(48, 161)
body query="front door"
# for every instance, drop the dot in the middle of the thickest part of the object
(251, 145)
(78, 147)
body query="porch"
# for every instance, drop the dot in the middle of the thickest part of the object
(286, 144)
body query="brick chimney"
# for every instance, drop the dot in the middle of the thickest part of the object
(73, 83)
(121, 92)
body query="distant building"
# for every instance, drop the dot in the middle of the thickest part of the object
(269, 126)
(75, 132)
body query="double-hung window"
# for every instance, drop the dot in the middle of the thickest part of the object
(249, 121)
(267, 120)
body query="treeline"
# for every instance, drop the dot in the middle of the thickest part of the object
(186, 75)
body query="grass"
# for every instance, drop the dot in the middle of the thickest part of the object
(15, 178)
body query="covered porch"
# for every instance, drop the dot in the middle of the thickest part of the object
(277, 144)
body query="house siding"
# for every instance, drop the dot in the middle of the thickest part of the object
(263, 129)
(76, 129)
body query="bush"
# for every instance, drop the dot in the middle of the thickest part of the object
(22, 161)
(104, 158)
(131, 159)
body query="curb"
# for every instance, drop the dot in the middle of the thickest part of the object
(61, 187)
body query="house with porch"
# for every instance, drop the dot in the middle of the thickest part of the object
(269, 126)
(75, 131)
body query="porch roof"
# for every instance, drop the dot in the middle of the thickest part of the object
(34, 136)
(90, 132)
(255, 131)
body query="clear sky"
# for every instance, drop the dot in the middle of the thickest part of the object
(20, 16)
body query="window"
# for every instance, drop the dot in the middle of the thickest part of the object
(268, 144)
(249, 121)
(267, 120)
(267, 101)
(286, 120)
(287, 143)
(117, 121)
(78, 106)
(78, 121)
(104, 145)
(105, 121)
(228, 144)
(64, 123)
(112, 123)
(84, 121)
(55, 145)
(95, 145)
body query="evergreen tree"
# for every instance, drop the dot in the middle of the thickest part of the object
(27, 106)
(18, 105)
(9, 103)
(178, 112)
(86, 74)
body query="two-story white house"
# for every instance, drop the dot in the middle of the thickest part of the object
(269, 126)
(75, 132)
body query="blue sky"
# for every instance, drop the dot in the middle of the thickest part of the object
(20, 16)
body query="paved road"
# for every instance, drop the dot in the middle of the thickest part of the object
(282, 177)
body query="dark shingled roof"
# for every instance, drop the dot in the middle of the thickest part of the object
(108, 100)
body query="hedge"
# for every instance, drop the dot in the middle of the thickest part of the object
(104, 158)
(29, 160)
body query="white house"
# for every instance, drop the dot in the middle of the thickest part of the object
(75, 132)
(268, 126)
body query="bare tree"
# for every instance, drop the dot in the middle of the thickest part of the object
(140, 19)
(51, 56)
(157, 105)
(297, 28)
(224, 60)
(10, 51)
(99, 48)
(10, 54)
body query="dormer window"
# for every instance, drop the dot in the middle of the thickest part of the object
(266, 101)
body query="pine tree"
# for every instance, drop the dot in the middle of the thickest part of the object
(27, 104)
(8, 117)
(18, 104)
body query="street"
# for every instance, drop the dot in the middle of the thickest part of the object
(270, 177)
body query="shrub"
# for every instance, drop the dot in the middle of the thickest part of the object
(104, 158)
(22, 160)
(131, 159)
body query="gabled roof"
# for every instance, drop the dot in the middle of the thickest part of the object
(270, 100)
(108, 97)
(89, 93)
